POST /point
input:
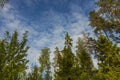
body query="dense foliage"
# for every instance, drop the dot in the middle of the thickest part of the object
(13, 56)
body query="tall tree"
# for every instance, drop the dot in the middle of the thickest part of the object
(13, 56)
(106, 19)
(108, 59)
(66, 61)
(45, 64)
(34, 74)
(84, 60)
(55, 63)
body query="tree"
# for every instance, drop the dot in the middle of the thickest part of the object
(55, 63)
(108, 59)
(45, 64)
(34, 74)
(13, 56)
(66, 61)
(106, 24)
(84, 60)
(106, 20)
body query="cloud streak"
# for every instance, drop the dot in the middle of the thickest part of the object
(48, 30)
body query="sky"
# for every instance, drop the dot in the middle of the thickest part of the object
(47, 21)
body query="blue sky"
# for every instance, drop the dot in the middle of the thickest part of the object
(47, 21)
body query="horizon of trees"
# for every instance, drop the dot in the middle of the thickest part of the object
(69, 65)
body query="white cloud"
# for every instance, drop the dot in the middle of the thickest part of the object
(76, 24)
(33, 55)
(13, 21)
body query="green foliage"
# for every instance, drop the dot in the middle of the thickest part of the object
(34, 74)
(106, 24)
(68, 41)
(83, 60)
(109, 59)
(13, 56)
(109, 55)
(55, 63)
(106, 20)
(66, 61)
(45, 64)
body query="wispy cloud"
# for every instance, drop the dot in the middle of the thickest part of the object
(12, 21)
(49, 30)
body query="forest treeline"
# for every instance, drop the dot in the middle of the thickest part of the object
(68, 64)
